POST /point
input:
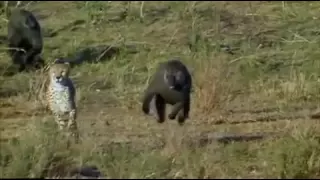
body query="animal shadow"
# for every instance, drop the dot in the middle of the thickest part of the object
(226, 138)
(8, 93)
(94, 54)
(9, 71)
(53, 33)
(315, 115)
(3, 39)
(86, 172)
(155, 14)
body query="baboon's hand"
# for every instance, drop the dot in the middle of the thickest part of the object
(181, 119)
(146, 109)
(171, 116)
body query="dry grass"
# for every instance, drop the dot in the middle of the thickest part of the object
(269, 83)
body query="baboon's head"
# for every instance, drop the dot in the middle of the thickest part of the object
(59, 72)
(33, 32)
(27, 24)
(174, 78)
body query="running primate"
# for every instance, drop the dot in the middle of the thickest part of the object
(25, 39)
(171, 84)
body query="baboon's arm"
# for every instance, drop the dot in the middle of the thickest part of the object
(184, 114)
(183, 107)
(146, 102)
(175, 110)
(28, 58)
(160, 108)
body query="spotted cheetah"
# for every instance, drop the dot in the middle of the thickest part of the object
(60, 96)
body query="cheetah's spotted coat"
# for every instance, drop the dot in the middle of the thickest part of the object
(60, 95)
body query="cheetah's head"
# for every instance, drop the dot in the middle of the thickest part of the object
(59, 72)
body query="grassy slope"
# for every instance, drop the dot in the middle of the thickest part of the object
(270, 84)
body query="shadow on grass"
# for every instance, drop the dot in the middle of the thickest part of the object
(43, 153)
(95, 54)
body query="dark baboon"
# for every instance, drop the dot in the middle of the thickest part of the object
(171, 84)
(25, 39)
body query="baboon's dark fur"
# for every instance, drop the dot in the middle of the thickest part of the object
(171, 84)
(24, 32)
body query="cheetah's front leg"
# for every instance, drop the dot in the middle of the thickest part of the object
(72, 125)
(59, 120)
